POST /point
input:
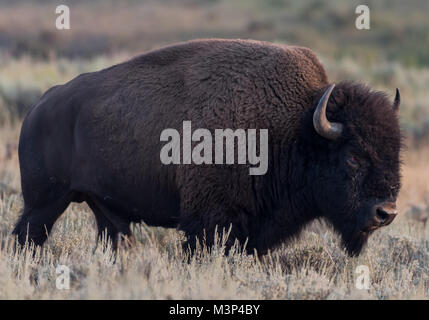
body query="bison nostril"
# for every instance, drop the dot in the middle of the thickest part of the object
(382, 215)
(385, 214)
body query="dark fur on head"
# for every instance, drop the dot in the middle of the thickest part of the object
(360, 168)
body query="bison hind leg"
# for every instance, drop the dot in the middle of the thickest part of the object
(36, 222)
(110, 229)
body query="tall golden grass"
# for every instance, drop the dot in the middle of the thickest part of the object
(311, 267)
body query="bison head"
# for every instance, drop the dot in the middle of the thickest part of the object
(355, 157)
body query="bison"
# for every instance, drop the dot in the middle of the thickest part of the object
(333, 151)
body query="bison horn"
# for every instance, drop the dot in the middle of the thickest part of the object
(328, 130)
(397, 100)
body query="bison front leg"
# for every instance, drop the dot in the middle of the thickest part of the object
(212, 234)
(213, 203)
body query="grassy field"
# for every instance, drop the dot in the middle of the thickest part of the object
(313, 267)
(33, 57)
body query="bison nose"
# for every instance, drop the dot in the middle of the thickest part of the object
(385, 213)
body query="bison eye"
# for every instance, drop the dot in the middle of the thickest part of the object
(352, 162)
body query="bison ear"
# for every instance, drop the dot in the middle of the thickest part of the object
(325, 128)
(397, 100)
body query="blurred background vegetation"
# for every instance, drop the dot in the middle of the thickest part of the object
(34, 55)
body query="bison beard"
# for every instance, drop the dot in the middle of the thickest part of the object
(353, 239)
(355, 242)
(96, 139)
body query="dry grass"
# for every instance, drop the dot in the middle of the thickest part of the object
(314, 267)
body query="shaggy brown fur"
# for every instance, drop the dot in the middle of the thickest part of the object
(96, 139)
